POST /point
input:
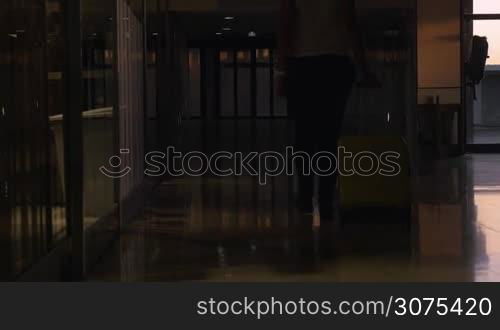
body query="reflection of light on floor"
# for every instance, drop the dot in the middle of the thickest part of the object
(316, 216)
(233, 229)
(487, 202)
(488, 205)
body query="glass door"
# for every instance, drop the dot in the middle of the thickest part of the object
(32, 98)
(245, 84)
(6, 263)
(483, 99)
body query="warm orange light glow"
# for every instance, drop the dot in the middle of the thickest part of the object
(223, 56)
(263, 54)
(243, 56)
(489, 29)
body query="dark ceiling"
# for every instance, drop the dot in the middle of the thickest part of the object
(205, 26)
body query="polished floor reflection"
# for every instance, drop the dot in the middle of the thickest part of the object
(233, 229)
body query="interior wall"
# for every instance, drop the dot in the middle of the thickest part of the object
(439, 51)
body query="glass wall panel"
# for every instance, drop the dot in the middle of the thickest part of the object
(32, 198)
(254, 85)
(194, 97)
(244, 83)
(153, 36)
(57, 100)
(484, 119)
(279, 102)
(264, 83)
(227, 83)
(98, 51)
(6, 260)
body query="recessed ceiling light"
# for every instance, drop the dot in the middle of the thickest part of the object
(218, 33)
(229, 18)
(227, 29)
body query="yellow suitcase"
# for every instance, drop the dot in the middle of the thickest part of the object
(375, 195)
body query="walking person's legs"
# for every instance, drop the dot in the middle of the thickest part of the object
(299, 104)
(304, 143)
(335, 94)
(318, 91)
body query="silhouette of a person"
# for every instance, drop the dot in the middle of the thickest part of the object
(319, 49)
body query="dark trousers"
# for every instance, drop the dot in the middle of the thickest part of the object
(318, 89)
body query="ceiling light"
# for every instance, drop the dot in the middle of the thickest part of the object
(252, 34)
(227, 29)
(229, 18)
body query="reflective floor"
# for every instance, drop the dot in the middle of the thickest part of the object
(232, 229)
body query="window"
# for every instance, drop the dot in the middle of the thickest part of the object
(483, 122)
